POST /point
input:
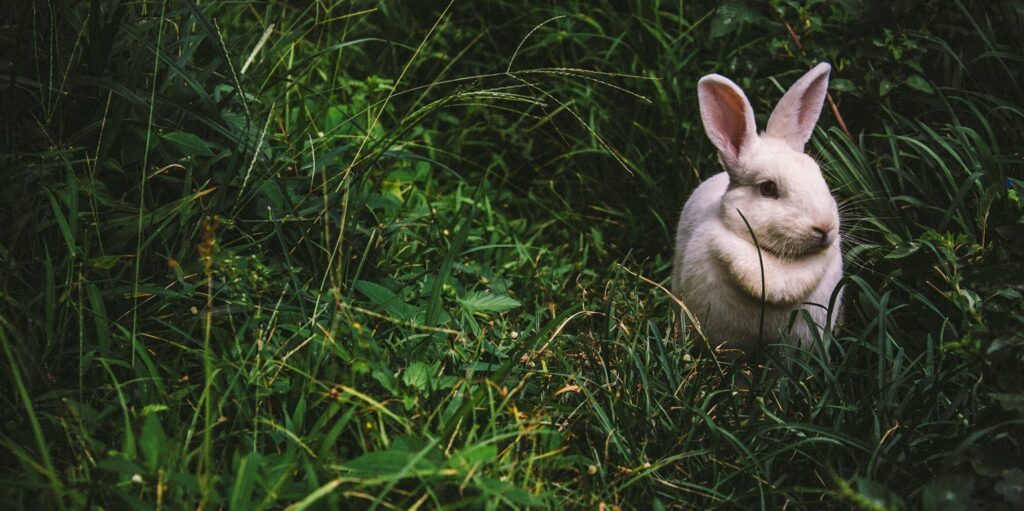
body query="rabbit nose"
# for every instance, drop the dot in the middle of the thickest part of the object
(824, 231)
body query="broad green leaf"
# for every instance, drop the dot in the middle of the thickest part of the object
(387, 299)
(384, 377)
(918, 82)
(1009, 402)
(479, 453)
(377, 293)
(188, 143)
(507, 491)
(841, 85)
(395, 460)
(885, 86)
(245, 482)
(904, 249)
(152, 440)
(488, 302)
(418, 375)
(730, 16)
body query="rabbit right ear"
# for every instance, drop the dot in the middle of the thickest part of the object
(796, 114)
(727, 116)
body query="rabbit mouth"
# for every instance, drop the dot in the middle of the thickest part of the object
(818, 243)
(799, 248)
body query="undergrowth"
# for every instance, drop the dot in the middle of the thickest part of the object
(411, 255)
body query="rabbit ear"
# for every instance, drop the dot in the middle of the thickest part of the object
(796, 114)
(727, 116)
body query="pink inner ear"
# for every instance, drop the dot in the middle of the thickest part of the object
(728, 116)
(794, 117)
(810, 104)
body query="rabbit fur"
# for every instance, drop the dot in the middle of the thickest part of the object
(781, 192)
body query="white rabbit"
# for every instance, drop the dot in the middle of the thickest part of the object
(782, 194)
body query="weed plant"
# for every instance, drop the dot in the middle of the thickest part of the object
(411, 255)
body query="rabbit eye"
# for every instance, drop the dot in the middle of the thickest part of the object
(768, 189)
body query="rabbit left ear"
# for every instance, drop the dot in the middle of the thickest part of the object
(796, 114)
(727, 116)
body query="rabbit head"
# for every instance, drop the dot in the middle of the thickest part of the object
(778, 188)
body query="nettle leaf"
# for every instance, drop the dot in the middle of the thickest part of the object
(189, 144)
(488, 302)
(418, 375)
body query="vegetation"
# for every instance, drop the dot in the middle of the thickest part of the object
(380, 255)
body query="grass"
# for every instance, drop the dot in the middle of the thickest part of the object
(383, 255)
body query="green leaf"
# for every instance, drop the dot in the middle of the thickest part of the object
(948, 493)
(375, 292)
(918, 82)
(1010, 402)
(730, 16)
(479, 453)
(245, 481)
(387, 299)
(488, 302)
(841, 85)
(106, 262)
(384, 377)
(152, 440)
(374, 464)
(874, 495)
(188, 143)
(118, 465)
(395, 460)
(905, 249)
(885, 86)
(417, 375)
(507, 492)
(154, 408)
